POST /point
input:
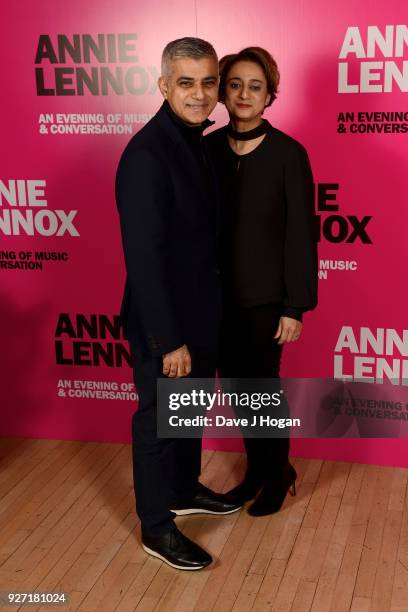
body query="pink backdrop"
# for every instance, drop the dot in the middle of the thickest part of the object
(75, 172)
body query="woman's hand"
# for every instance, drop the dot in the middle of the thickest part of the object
(288, 330)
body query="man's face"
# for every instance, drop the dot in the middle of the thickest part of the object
(191, 88)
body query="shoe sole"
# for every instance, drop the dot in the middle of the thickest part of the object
(180, 567)
(202, 511)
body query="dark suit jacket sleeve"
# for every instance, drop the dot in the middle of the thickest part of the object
(300, 248)
(144, 198)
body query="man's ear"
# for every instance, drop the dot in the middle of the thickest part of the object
(268, 99)
(162, 83)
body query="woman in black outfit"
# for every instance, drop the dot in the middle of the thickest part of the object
(268, 257)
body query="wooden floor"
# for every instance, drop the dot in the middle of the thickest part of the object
(67, 523)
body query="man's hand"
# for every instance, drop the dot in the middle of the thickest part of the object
(177, 363)
(289, 330)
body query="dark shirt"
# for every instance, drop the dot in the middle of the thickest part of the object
(193, 134)
(267, 252)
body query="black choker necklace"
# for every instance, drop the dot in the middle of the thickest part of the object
(250, 135)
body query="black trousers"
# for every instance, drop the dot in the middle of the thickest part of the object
(248, 350)
(165, 470)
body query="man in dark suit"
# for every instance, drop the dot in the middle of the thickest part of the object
(171, 304)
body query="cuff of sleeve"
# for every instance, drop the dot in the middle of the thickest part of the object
(293, 313)
(158, 348)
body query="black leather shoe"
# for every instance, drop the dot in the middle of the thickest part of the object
(207, 502)
(273, 494)
(176, 550)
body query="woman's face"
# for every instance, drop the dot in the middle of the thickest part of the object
(246, 92)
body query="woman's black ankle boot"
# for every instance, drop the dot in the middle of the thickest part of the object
(245, 490)
(273, 493)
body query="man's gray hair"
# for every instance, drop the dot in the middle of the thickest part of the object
(188, 46)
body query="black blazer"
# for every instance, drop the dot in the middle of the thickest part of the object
(167, 216)
(268, 242)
